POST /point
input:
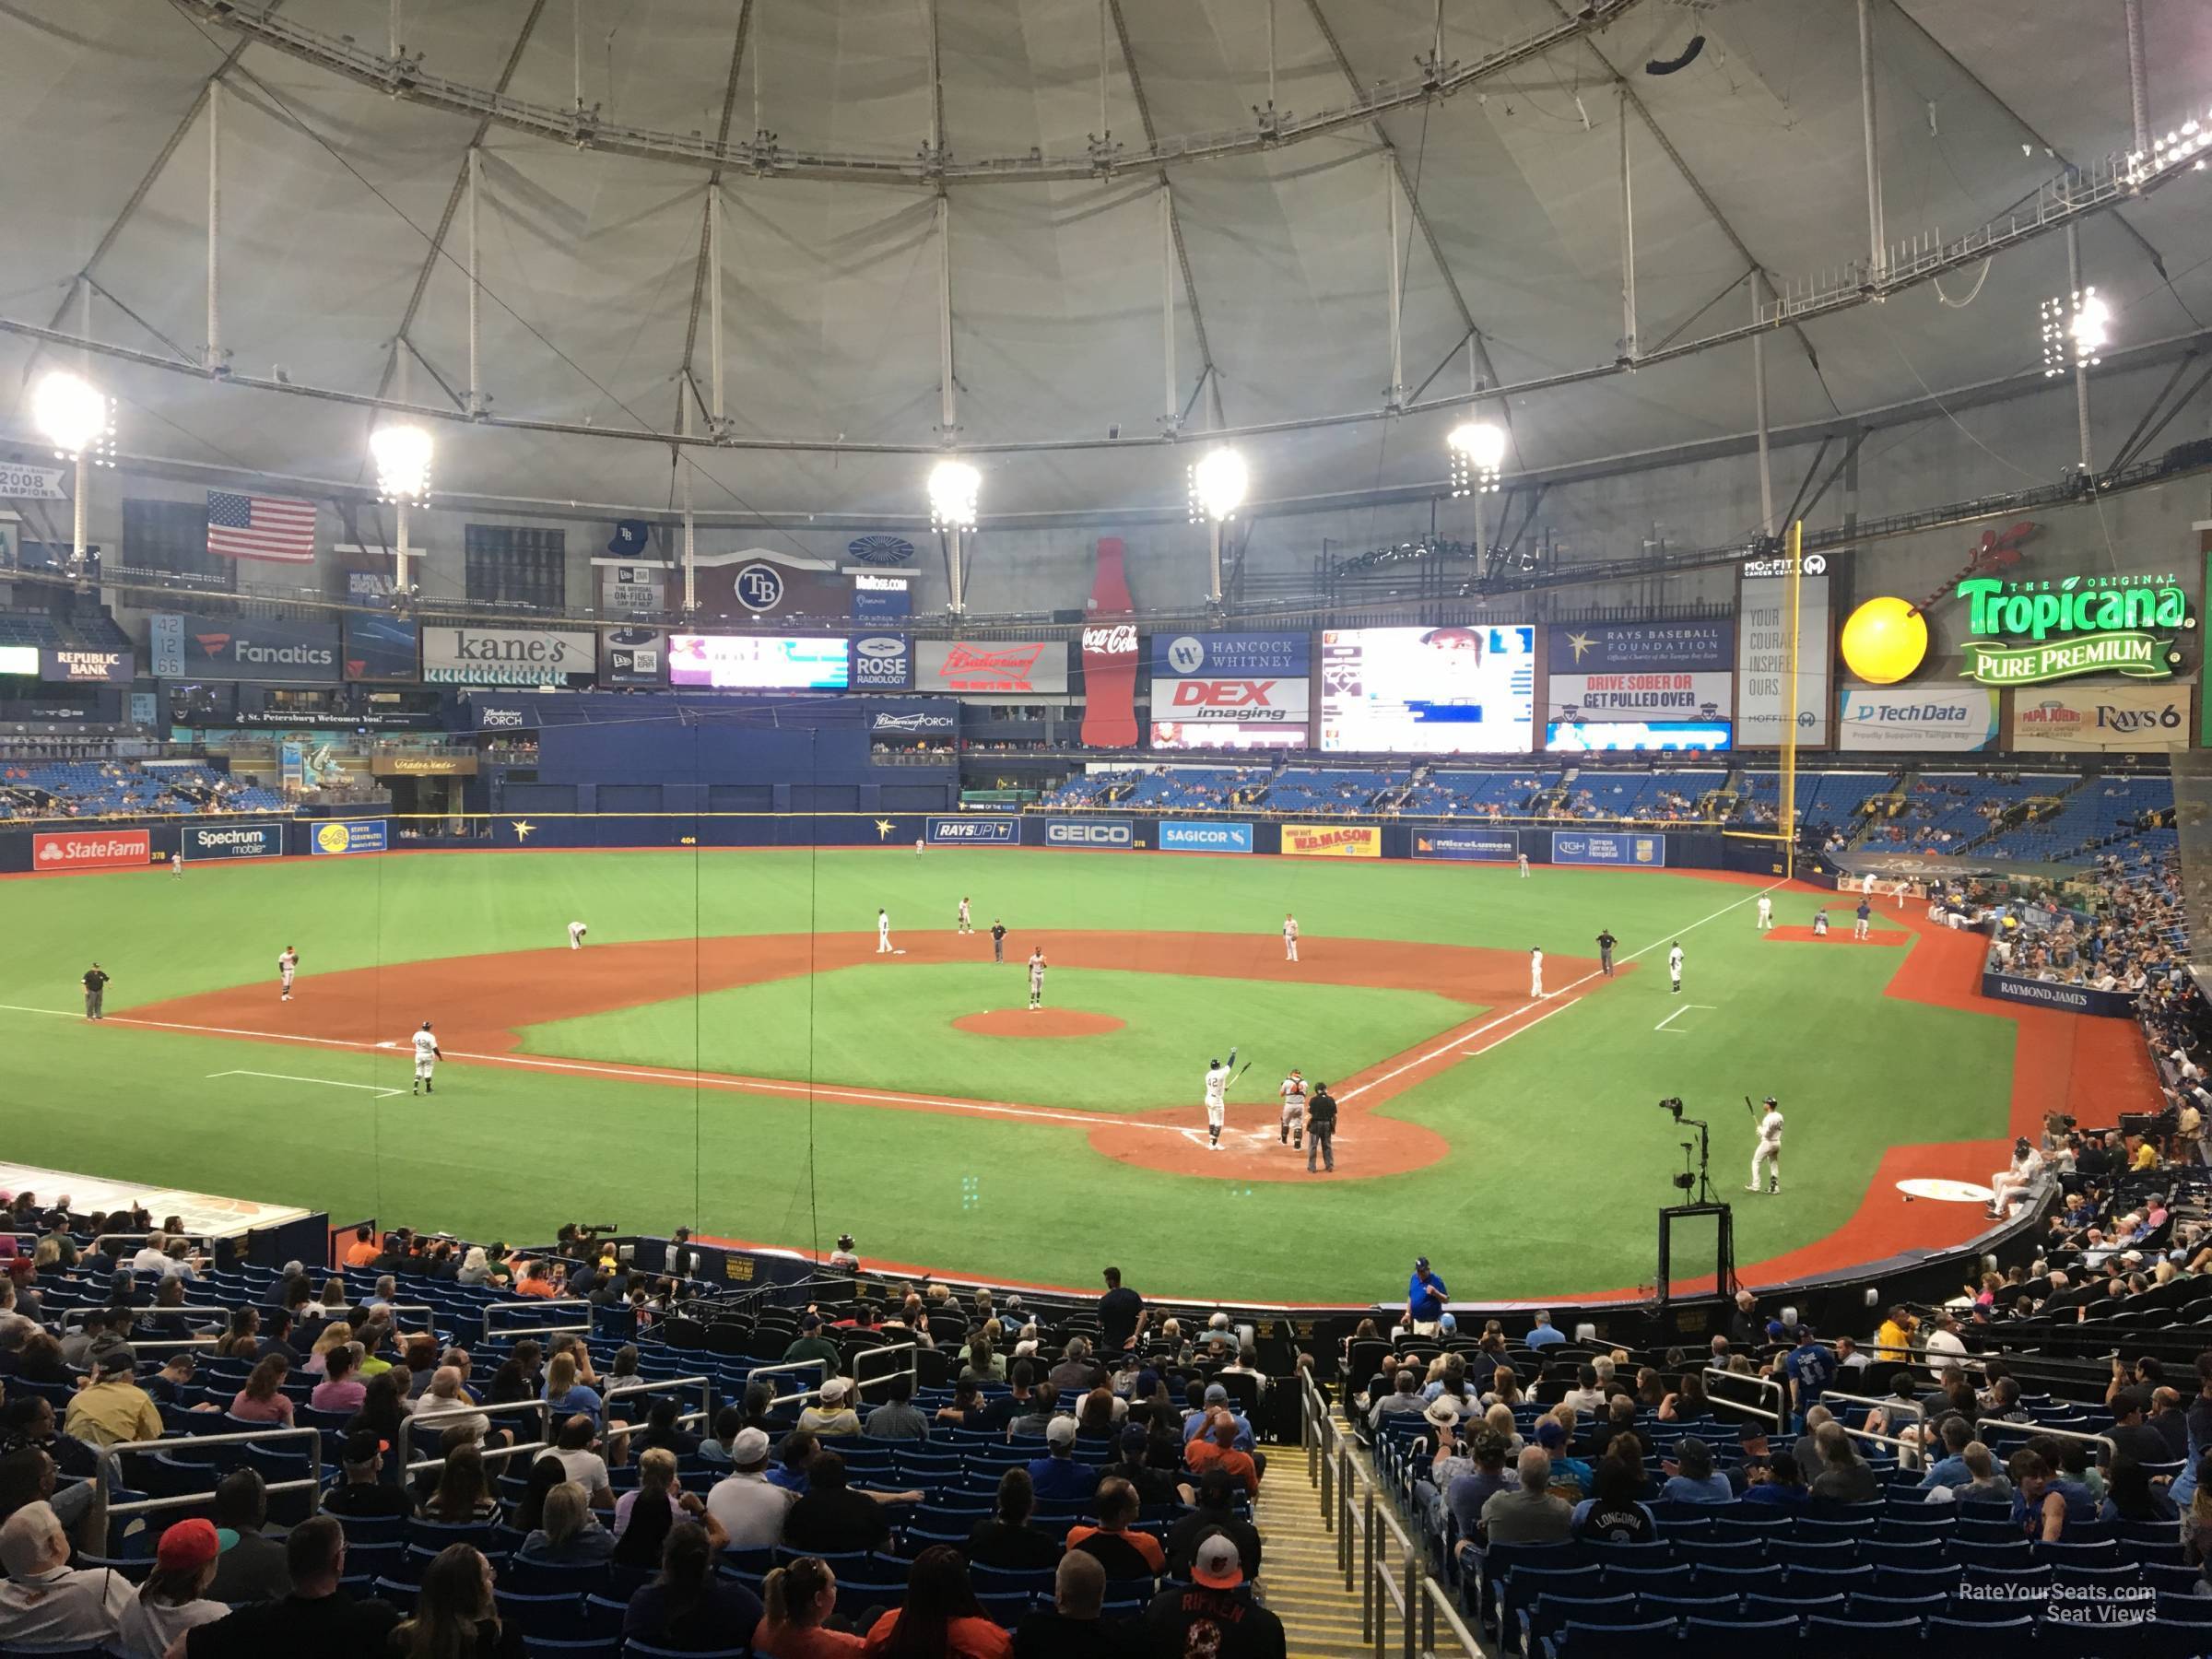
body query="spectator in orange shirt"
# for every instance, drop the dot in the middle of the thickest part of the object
(1215, 1448)
(1124, 1554)
(536, 1280)
(363, 1250)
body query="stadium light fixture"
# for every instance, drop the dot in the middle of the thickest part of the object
(2075, 328)
(79, 421)
(402, 455)
(1218, 480)
(1477, 455)
(953, 489)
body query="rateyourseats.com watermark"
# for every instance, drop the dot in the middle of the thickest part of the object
(2069, 1604)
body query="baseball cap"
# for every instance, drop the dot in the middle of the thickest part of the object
(813, 1322)
(1447, 1324)
(1060, 1431)
(1134, 1438)
(362, 1446)
(749, 1447)
(1215, 1564)
(1217, 1395)
(1550, 1435)
(833, 1391)
(187, 1544)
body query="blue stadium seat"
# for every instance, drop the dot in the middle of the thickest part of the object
(1655, 1641)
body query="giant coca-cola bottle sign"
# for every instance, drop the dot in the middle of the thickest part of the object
(1109, 654)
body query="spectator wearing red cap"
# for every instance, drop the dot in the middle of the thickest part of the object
(174, 1597)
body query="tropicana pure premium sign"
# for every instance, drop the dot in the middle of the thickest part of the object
(2054, 628)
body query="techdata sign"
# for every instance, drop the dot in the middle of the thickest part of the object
(508, 656)
(245, 648)
(1233, 656)
(1578, 847)
(975, 831)
(1117, 834)
(1951, 720)
(1469, 846)
(347, 835)
(1205, 837)
(1643, 648)
(882, 663)
(233, 841)
(2030, 631)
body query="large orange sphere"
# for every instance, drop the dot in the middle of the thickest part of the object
(1884, 641)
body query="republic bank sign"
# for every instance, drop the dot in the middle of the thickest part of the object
(2032, 631)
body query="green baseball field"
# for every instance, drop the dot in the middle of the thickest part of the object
(732, 1049)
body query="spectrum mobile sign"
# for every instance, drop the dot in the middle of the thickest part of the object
(2055, 630)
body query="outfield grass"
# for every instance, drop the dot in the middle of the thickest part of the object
(1561, 1157)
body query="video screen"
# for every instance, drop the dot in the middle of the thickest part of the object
(757, 662)
(1226, 735)
(1604, 737)
(1454, 691)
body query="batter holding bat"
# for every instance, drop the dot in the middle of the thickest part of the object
(1217, 1079)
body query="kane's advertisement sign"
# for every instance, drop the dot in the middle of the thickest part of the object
(507, 656)
(2030, 631)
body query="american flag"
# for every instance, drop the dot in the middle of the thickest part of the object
(271, 528)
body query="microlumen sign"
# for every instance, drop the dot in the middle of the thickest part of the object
(2078, 625)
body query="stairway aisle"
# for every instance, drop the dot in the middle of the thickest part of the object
(1297, 1565)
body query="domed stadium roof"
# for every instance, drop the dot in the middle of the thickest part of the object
(868, 151)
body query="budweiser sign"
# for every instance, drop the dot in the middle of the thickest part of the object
(982, 666)
(90, 850)
(1117, 641)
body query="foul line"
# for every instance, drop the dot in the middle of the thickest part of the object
(1677, 1014)
(289, 1077)
(1458, 1043)
(945, 1104)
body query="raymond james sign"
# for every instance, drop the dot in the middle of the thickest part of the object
(2047, 631)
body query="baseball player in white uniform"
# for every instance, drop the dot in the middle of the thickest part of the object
(1290, 937)
(1535, 975)
(1766, 912)
(1036, 979)
(176, 865)
(965, 926)
(1217, 1098)
(576, 932)
(1769, 1150)
(1866, 882)
(1522, 861)
(1294, 1109)
(426, 1059)
(883, 933)
(287, 964)
(917, 846)
(1673, 966)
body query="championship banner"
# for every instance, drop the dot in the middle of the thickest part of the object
(1762, 659)
(992, 668)
(508, 656)
(2109, 719)
(1645, 694)
(348, 835)
(58, 854)
(1471, 846)
(1204, 838)
(75, 665)
(1955, 720)
(1332, 840)
(1578, 847)
(1090, 833)
(32, 483)
(1640, 647)
(1249, 701)
(233, 841)
(975, 831)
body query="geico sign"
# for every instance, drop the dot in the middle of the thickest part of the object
(1117, 641)
(1064, 833)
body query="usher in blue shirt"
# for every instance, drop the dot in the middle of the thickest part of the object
(1425, 1297)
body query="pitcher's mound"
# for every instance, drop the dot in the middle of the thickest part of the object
(1040, 1022)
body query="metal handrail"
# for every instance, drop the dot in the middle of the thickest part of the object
(407, 1424)
(1781, 1402)
(2033, 1430)
(537, 1304)
(861, 1384)
(821, 1366)
(107, 1470)
(488, 1452)
(706, 1394)
(1435, 1599)
(1385, 1586)
(1891, 1405)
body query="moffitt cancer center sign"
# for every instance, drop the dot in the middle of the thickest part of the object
(2047, 631)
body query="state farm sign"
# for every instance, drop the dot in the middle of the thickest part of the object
(90, 850)
(1281, 702)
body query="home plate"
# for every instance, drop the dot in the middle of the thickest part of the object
(1947, 1191)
